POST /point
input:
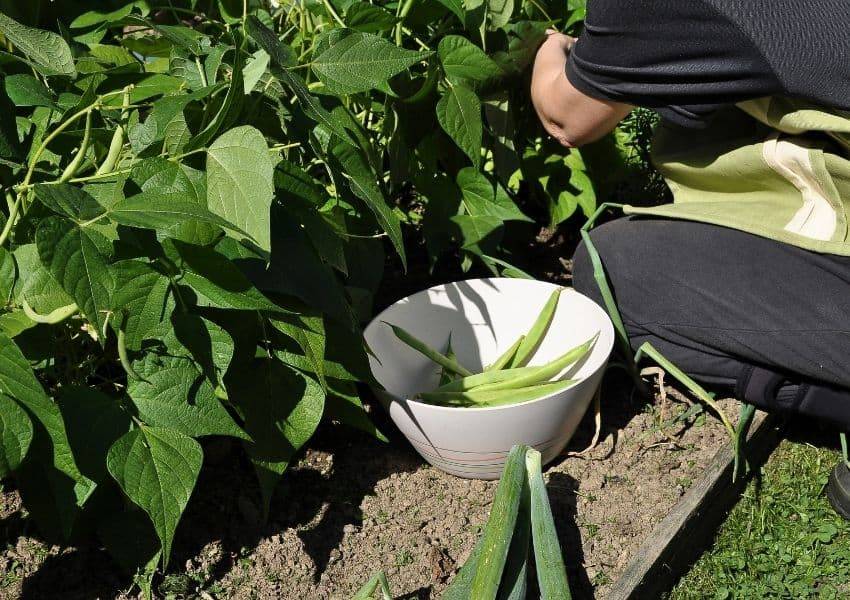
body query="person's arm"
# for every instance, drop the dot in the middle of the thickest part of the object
(568, 115)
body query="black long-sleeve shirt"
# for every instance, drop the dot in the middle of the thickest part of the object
(687, 58)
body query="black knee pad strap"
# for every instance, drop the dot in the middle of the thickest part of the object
(773, 391)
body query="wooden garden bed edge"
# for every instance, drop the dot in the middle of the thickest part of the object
(684, 533)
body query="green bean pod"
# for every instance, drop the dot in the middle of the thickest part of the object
(53, 317)
(465, 384)
(538, 330)
(124, 359)
(445, 375)
(489, 399)
(544, 372)
(429, 352)
(115, 147)
(75, 163)
(117, 143)
(507, 356)
(551, 572)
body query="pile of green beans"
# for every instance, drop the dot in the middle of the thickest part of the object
(508, 380)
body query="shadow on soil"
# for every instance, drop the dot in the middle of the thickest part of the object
(320, 500)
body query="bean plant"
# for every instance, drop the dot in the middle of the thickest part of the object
(200, 200)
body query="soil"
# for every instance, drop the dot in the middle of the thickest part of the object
(353, 505)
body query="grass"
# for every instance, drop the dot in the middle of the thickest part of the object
(782, 540)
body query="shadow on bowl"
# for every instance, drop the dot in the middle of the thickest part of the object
(484, 317)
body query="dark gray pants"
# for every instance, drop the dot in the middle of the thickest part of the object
(733, 309)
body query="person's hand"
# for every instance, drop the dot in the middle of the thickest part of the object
(570, 116)
(549, 68)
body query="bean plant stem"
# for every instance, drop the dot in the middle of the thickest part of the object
(401, 12)
(537, 5)
(13, 215)
(201, 71)
(333, 13)
(43, 146)
(62, 127)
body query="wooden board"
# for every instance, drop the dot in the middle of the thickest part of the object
(690, 526)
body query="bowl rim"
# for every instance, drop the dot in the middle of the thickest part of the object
(395, 398)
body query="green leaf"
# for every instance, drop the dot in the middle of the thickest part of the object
(579, 191)
(459, 114)
(112, 55)
(480, 197)
(175, 390)
(364, 184)
(157, 468)
(296, 270)
(95, 17)
(182, 64)
(216, 280)
(255, 69)
(187, 38)
(158, 175)
(38, 287)
(358, 62)
(499, 113)
(7, 275)
(240, 182)
(345, 357)
(163, 114)
(230, 107)
(281, 60)
(47, 50)
(457, 7)
(15, 323)
(69, 201)
(343, 404)
(548, 559)
(141, 293)
(74, 255)
(303, 196)
(212, 64)
(58, 484)
(282, 409)
(11, 151)
(309, 333)
(25, 90)
(479, 233)
(464, 62)
(94, 422)
(158, 84)
(499, 13)
(497, 533)
(207, 343)
(166, 213)
(514, 584)
(131, 540)
(369, 18)
(15, 435)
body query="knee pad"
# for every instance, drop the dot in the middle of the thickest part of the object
(774, 391)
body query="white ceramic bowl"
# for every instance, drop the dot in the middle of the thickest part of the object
(485, 316)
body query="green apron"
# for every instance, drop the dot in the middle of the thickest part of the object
(774, 167)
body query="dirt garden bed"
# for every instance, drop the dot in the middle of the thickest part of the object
(353, 505)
